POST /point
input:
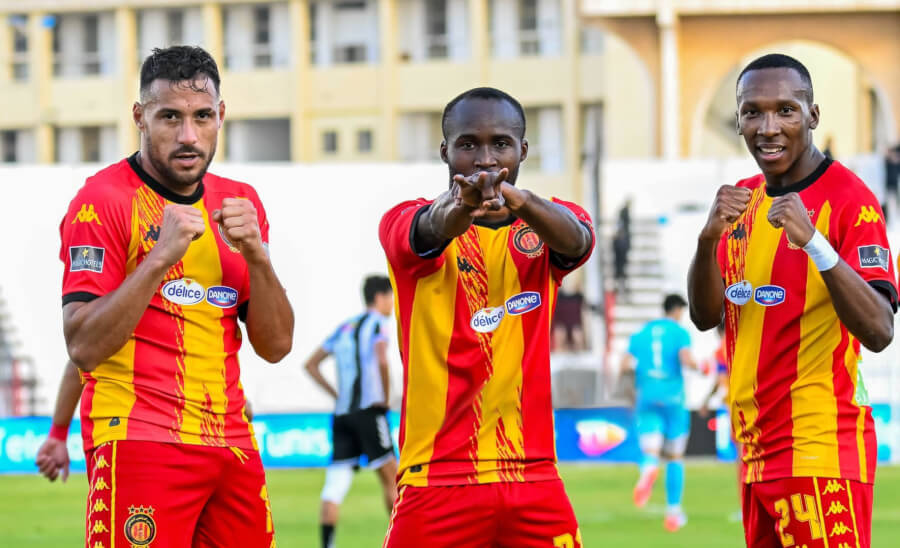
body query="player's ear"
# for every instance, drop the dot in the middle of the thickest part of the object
(814, 116)
(444, 152)
(524, 149)
(221, 113)
(137, 114)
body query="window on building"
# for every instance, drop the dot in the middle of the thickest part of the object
(329, 142)
(91, 44)
(90, 144)
(355, 53)
(175, 27)
(8, 146)
(313, 13)
(364, 140)
(19, 26)
(262, 56)
(436, 28)
(529, 40)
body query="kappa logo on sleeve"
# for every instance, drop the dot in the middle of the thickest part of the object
(85, 257)
(874, 256)
(867, 214)
(87, 215)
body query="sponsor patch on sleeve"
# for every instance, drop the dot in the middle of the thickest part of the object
(85, 257)
(874, 256)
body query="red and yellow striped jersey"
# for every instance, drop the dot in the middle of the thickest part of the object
(474, 334)
(177, 379)
(798, 402)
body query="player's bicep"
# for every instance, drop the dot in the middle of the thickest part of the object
(397, 235)
(561, 265)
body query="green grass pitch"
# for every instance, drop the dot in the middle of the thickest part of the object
(35, 513)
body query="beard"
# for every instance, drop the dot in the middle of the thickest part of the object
(180, 178)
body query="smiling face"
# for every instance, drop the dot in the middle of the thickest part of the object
(179, 123)
(484, 135)
(776, 117)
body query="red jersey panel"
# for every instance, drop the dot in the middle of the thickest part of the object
(474, 321)
(798, 402)
(177, 379)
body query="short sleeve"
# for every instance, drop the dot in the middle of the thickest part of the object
(378, 332)
(560, 265)
(858, 234)
(684, 338)
(328, 344)
(94, 235)
(396, 235)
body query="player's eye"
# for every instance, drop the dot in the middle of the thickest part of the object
(170, 116)
(204, 115)
(467, 145)
(750, 113)
(787, 109)
(501, 144)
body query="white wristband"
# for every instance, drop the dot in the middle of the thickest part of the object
(821, 253)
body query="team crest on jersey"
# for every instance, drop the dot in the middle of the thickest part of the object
(140, 529)
(527, 242)
(226, 240)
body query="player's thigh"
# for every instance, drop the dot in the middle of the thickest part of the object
(676, 429)
(145, 494)
(650, 427)
(345, 442)
(374, 436)
(539, 515)
(759, 523)
(238, 514)
(458, 516)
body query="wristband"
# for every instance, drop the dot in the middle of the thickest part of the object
(59, 432)
(821, 253)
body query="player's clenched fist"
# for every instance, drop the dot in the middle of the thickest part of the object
(181, 224)
(789, 213)
(240, 223)
(730, 203)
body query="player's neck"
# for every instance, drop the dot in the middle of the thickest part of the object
(150, 169)
(805, 165)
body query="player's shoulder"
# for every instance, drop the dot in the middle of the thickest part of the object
(217, 183)
(405, 206)
(114, 182)
(843, 185)
(579, 211)
(753, 182)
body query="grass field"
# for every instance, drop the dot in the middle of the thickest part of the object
(36, 514)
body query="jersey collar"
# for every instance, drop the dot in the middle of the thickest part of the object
(160, 189)
(802, 184)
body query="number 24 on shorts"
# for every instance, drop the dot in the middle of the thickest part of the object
(565, 540)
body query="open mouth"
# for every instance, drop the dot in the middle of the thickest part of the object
(770, 152)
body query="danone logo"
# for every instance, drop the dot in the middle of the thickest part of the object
(183, 291)
(487, 319)
(769, 295)
(523, 302)
(221, 296)
(739, 293)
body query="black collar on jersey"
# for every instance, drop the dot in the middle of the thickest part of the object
(160, 189)
(496, 224)
(803, 183)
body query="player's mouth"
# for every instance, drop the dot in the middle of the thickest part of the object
(187, 160)
(770, 152)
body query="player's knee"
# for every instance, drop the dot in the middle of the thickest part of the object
(337, 483)
(651, 443)
(674, 448)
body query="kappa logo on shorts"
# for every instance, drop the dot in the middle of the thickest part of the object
(86, 257)
(140, 529)
(874, 256)
(527, 242)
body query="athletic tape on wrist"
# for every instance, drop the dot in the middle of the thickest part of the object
(820, 251)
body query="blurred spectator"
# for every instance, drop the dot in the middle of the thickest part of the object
(568, 323)
(621, 247)
(828, 149)
(892, 180)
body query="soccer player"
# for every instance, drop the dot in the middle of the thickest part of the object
(657, 354)
(53, 455)
(160, 261)
(360, 350)
(475, 274)
(797, 260)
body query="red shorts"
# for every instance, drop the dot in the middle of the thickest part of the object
(174, 495)
(490, 515)
(810, 512)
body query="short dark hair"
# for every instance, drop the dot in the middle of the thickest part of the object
(178, 64)
(374, 285)
(486, 93)
(779, 60)
(672, 302)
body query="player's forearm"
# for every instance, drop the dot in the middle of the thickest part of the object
(96, 330)
(312, 367)
(70, 389)
(557, 226)
(384, 369)
(706, 292)
(270, 319)
(866, 313)
(443, 221)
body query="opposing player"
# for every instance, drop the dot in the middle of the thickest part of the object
(52, 457)
(797, 260)
(161, 259)
(657, 353)
(475, 274)
(360, 426)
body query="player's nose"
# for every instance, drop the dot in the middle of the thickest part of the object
(484, 158)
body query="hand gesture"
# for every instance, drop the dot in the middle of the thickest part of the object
(789, 213)
(240, 223)
(53, 459)
(730, 203)
(181, 224)
(480, 191)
